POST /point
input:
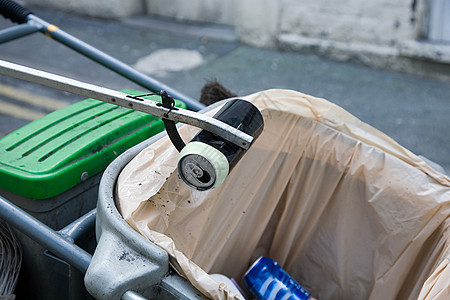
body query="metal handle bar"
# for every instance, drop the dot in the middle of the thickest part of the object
(215, 126)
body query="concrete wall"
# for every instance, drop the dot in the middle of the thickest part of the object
(257, 22)
(212, 11)
(111, 9)
(375, 21)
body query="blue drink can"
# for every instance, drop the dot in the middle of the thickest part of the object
(267, 280)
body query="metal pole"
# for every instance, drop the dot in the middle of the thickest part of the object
(18, 31)
(210, 124)
(81, 226)
(44, 235)
(112, 63)
(131, 295)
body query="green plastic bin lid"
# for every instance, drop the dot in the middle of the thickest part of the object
(58, 151)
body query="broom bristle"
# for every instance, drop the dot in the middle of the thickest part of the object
(213, 91)
(10, 261)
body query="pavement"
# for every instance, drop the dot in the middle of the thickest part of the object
(413, 110)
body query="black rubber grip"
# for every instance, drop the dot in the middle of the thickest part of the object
(14, 11)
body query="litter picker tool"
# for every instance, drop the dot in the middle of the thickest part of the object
(219, 145)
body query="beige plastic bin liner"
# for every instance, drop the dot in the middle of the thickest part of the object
(348, 212)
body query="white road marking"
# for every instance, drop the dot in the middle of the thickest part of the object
(37, 100)
(17, 111)
(163, 61)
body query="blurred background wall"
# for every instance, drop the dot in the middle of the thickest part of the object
(405, 35)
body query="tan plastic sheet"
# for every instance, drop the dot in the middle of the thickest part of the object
(348, 212)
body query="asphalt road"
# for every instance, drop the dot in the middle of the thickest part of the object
(412, 110)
